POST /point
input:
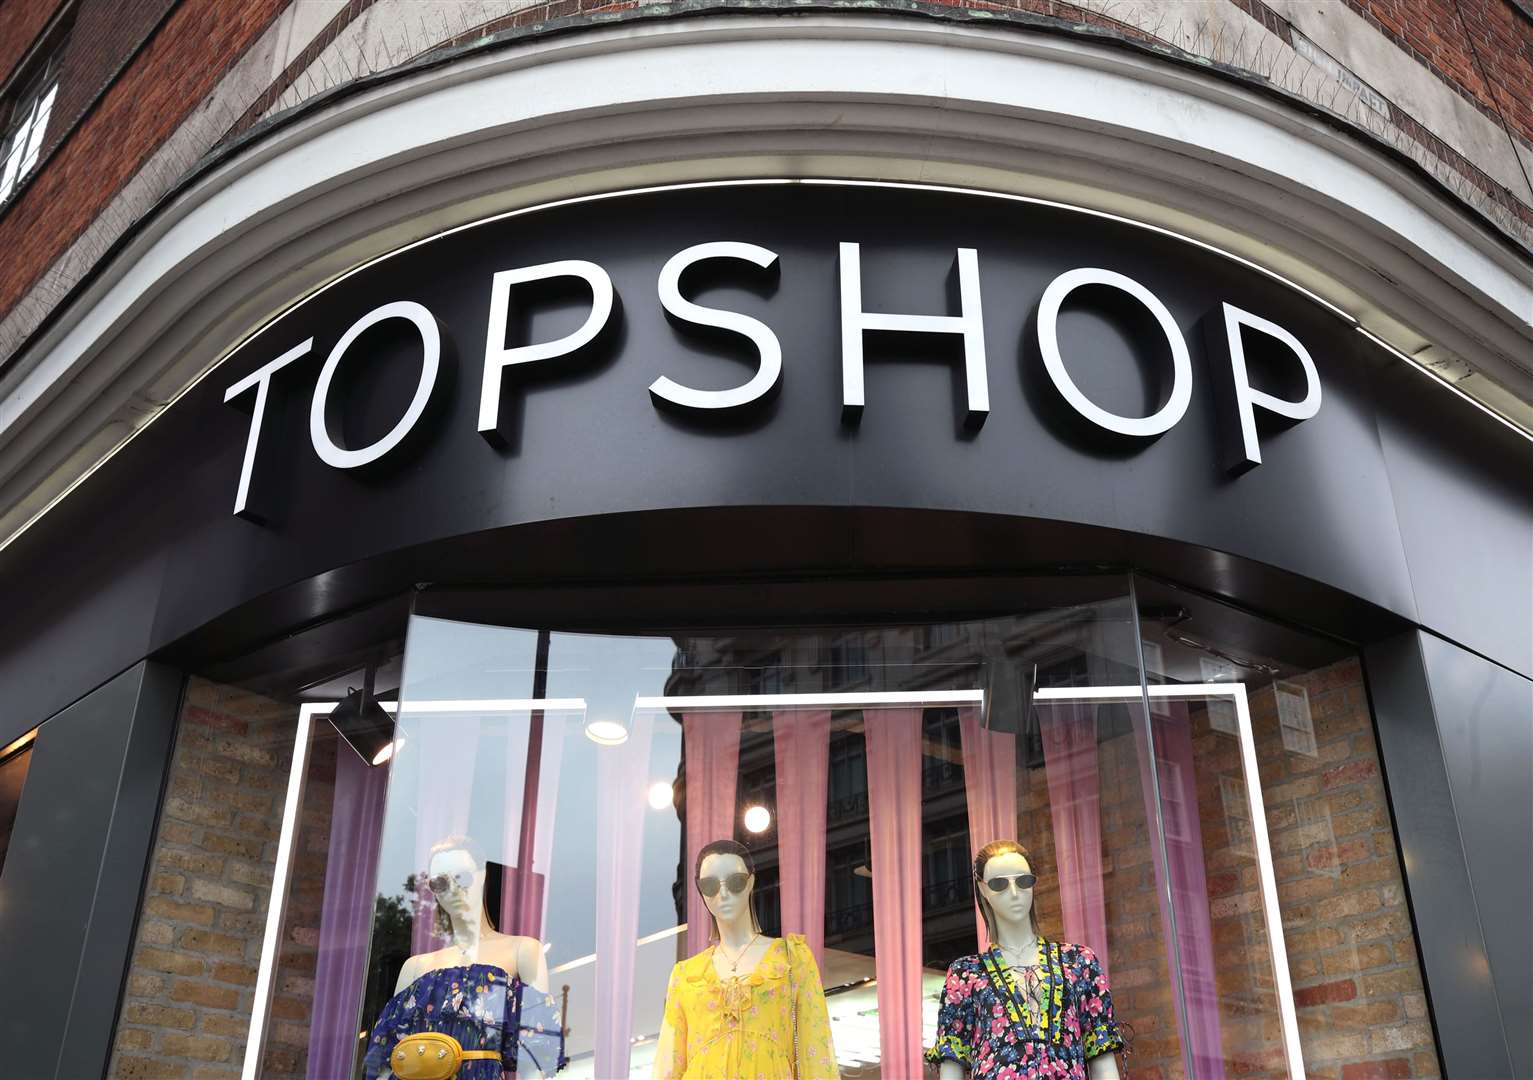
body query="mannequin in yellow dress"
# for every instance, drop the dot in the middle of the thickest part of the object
(750, 1007)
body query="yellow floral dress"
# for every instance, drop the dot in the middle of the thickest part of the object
(744, 1028)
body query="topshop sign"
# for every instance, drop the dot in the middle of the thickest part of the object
(1243, 406)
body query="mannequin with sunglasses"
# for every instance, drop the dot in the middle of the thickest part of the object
(488, 991)
(1025, 1007)
(748, 1007)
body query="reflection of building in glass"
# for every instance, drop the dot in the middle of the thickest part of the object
(932, 656)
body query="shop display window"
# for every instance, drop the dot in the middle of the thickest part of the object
(748, 850)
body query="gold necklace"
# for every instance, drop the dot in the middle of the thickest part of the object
(741, 954)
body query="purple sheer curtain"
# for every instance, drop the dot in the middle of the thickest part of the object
(1183, 864)
(346, 917)
(990, 778)
(801, 741)
(529, 827)
(894, 824)
(711, 742)
(621, 775)
(1070, 765)
(442, 794)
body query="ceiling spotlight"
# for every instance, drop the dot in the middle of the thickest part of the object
(606, 733)
(661, 797)
(389, 750)
(757, 819)
(364, 724)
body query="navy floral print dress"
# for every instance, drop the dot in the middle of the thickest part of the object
(482, 1007)
(993, 1028)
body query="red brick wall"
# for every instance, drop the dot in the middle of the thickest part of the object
(146, 104)
(1352, 956)
(190, 989)
(1432, 31)
(20, 23)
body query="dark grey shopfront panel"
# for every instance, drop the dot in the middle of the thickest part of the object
(1485, 720)
(1465, 508)
(1456, 736)
(74, 874)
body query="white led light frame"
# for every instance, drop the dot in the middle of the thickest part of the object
(276, 908)
(1234, 692)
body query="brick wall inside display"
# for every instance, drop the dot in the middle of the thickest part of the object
(1351, 949)
(1357, 985)
(186, 1007)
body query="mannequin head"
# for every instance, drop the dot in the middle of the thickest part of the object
(719, 861)
(458, 865)
(1012, 906)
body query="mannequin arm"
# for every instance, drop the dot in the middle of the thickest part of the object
(1101, 1067)
(951, 1070)
(531, 963)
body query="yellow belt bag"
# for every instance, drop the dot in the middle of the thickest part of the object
(431, 1055)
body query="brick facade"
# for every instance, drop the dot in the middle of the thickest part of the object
(21, 21)
(186, 1008)
(128, 84)
(140, 109)
(1483, 48)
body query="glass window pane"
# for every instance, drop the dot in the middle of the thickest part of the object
(1237, 699)
(554, 796)
(500, 835)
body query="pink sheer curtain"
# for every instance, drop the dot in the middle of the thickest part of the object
(711, 743)
(529, 832)
(346, 918)
(1183, 864)
(894, 824)
(621, 775)
(442, 793)
(1070, 765)
(801, 740)
(990, 779)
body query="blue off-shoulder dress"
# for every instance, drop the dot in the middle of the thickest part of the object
(484, 1008)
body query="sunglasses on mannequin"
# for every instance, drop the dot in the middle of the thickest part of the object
(734, 883)
(442, 882)
(998, 883)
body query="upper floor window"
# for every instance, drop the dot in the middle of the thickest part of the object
(25, 125)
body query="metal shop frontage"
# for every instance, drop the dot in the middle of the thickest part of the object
(779, 629)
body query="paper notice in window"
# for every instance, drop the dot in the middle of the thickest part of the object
(1294, 718)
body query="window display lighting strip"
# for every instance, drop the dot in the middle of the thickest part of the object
(485, 705)
(1236, 692)
(849, 700)
(648, 939)
(276, 905)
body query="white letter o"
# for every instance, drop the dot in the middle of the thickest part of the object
(431, 340)
(1048, 343)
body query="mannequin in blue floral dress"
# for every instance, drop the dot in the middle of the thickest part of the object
(485, 989)
(1026, 1008)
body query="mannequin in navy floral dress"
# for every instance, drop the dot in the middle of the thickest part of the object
(485, 989)
(1026, 1008)
(482, 1007)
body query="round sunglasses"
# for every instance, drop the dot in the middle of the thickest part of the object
(998, 883)
(734, 883)
(440, 883)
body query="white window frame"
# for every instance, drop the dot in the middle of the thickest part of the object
(24, 141)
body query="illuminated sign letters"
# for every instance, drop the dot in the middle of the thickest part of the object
(1240, 401)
